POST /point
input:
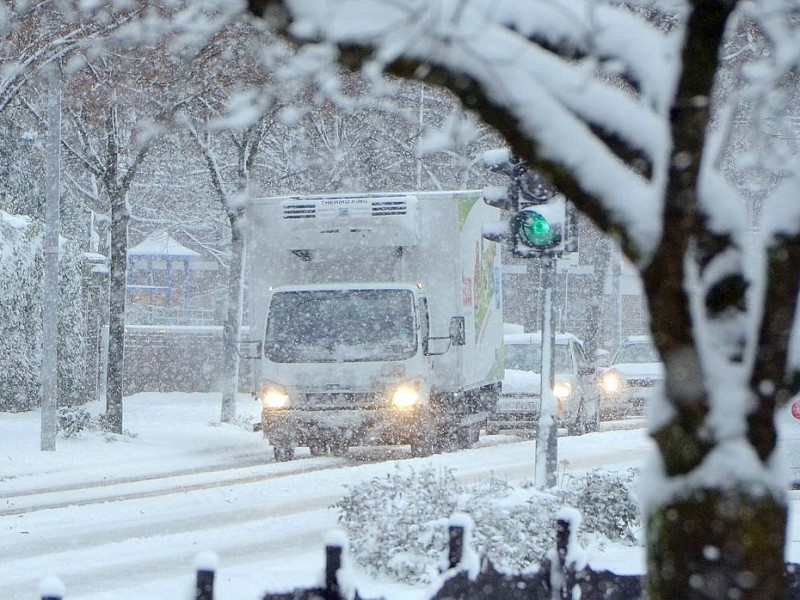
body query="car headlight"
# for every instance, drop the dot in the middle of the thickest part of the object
(611, 382)
(562, 389)
(273, 396)
(407, 395)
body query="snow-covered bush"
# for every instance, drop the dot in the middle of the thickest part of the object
(606, 504)
(72, 421)
(71, 327)
(21, 301)
(397, 525)
(512, 531)
(20, 312)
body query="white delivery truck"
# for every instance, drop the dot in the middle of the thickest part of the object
(374, 319)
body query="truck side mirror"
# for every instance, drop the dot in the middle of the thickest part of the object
(458, 332)
(249, 349)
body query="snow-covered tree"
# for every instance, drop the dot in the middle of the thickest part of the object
(108, 148)
(122, 93)
(21, 301)
(34, 36)
(239, 57)
(615, 102)
(414, 137)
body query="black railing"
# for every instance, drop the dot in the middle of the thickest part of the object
(557, 577)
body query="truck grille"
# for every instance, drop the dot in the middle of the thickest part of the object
(340, 401)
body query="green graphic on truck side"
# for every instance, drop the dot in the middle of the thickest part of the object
(483, 284)
(483, 278)
(464, 208)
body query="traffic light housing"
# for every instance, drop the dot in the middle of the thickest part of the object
(540, 221)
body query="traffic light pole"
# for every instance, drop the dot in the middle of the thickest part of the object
(547, 430)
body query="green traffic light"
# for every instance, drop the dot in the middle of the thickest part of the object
(535, 231)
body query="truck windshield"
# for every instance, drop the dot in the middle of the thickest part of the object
(528, 357)
(340, 326)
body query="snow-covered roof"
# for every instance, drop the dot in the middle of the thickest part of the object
(161, 244)
(536, 338)
(638, 339)
(16, 221)
(95, 258)
(509, 328)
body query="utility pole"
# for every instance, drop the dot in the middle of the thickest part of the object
(547, 429)
(50, 284)
(616, 295)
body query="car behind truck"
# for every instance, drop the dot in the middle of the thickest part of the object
(375, 319)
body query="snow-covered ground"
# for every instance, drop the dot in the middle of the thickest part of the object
(126, 517)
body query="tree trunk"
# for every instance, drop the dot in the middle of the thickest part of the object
(717, 544)
(708, 538)
(230, 331)
(116, 319)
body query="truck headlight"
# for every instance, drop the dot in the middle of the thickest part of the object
(273, 396)
(562, 389)
(407, 395)
(611, 382)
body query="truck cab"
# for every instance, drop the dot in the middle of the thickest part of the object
(344, 366)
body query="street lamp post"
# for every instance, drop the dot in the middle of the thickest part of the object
(50, 285)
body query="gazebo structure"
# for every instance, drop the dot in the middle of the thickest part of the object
(159, 273)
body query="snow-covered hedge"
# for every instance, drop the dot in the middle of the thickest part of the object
(397, 525)
(21, 300)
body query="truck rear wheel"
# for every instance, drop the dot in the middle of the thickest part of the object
(473, 434)
(317, 448)
(340, 447)
(283, 453)
(462, 437)
(422, 447)
(426, 441)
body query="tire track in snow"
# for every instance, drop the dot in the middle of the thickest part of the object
(147, 486)
(129, 488)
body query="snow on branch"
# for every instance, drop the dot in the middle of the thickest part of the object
(613, 34)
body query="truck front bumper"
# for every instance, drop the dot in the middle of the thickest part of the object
(356, 426)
